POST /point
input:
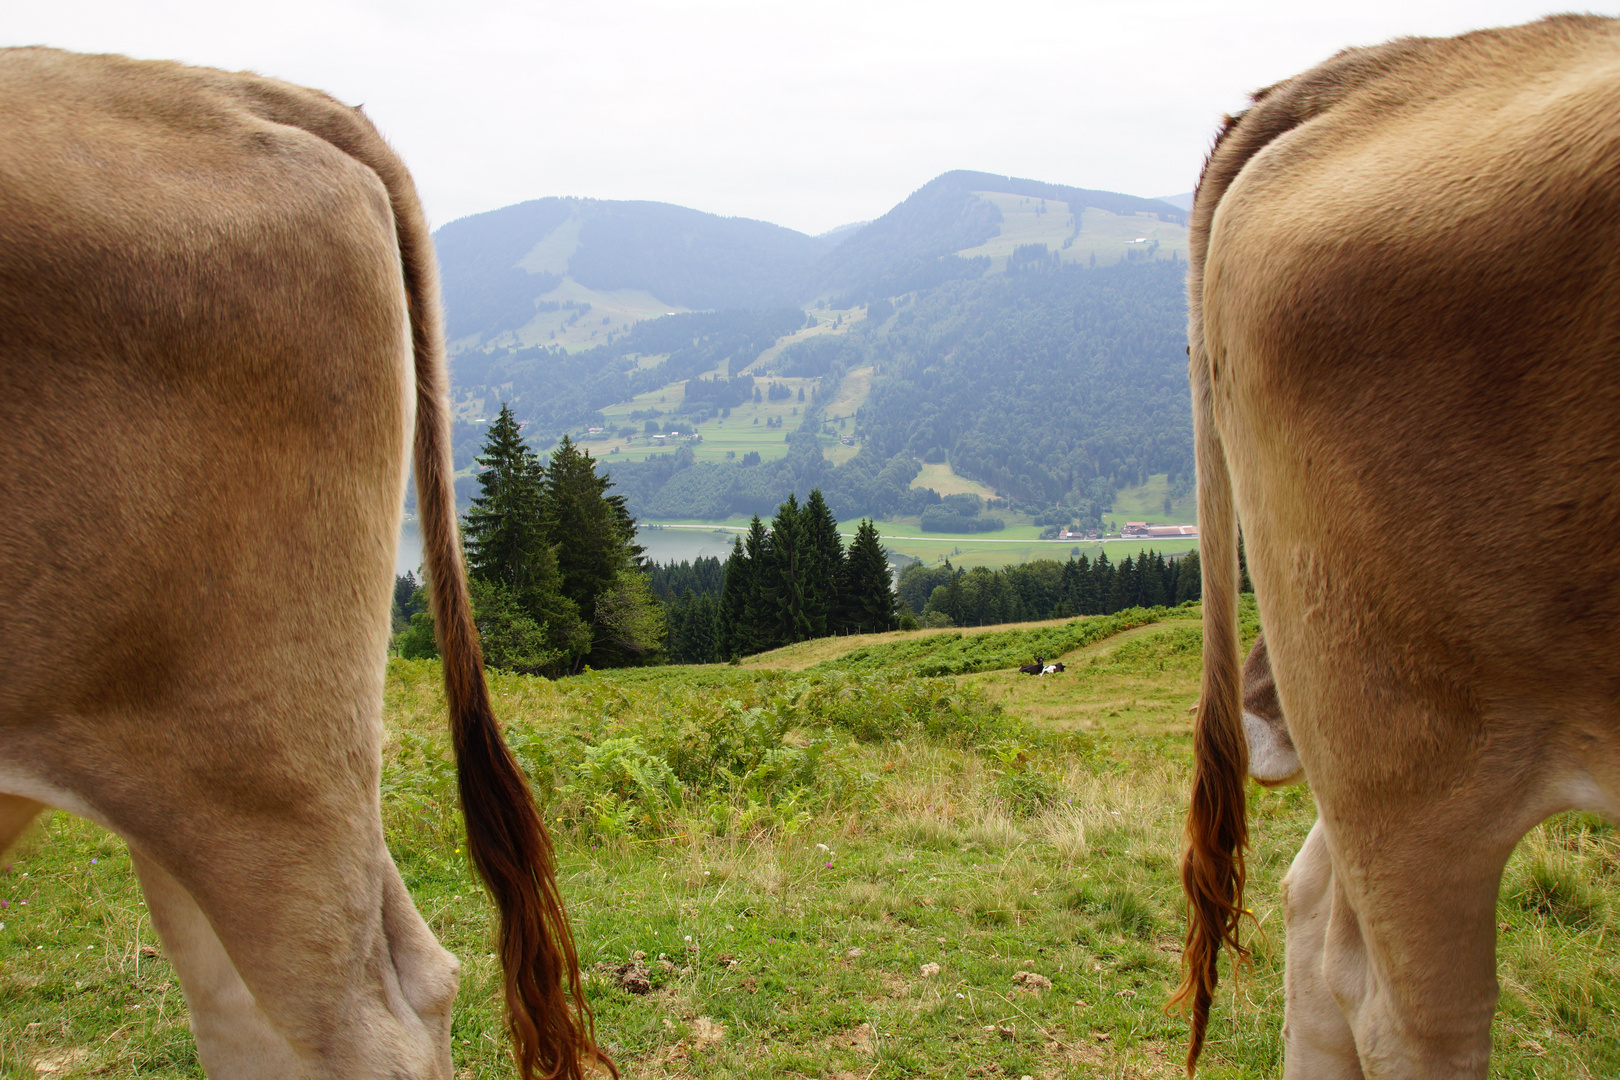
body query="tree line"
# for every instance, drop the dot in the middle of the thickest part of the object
(1046, 589)
(791, 581)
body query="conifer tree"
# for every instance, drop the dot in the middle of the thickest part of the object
(594, 537)
(789, 564)
(526, 622)
(1189, 580)
(1123, 593)
(825, 572)
(1069, 590)
(731, 625)
(592, 548)
(1102, 575)
(758, 624)
(1149, 592)
(502, 528)
(953, 593)
(871, 606)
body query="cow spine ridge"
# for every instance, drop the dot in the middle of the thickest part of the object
(553, 1037)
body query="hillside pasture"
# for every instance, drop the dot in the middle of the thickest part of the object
(738, 434)
(1145, 502)
(941, 477)
(823, 873)
(1108, 236)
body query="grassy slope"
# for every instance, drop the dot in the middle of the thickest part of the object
(795, 932)
(1146, 503)
(1106, 235)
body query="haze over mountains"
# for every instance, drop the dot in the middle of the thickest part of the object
(1025, 335)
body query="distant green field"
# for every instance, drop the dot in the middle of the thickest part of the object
(1146, 503)
(909, 541)
(943, 479)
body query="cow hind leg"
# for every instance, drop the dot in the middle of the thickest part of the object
(1399, 931)
(235, 1040)
(1317, 1040)
(360, 994)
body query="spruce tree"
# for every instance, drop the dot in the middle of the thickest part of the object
(502, 528)
(1149, 591)
(1189, 579)
(587, 529)
(790, 563)
(757, 628)
(526, 621)
(1068, 602)
(1102, 575)
(826, 575)
(731, 620)
(1123, 593)
(871, 606)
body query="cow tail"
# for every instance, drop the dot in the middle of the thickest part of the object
(551, 1023)
(1212, 865)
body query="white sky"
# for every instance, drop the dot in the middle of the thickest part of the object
(806, 114)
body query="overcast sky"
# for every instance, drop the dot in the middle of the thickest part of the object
(810, 115)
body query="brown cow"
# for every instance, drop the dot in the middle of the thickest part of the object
(1405, 331)
(219, 325)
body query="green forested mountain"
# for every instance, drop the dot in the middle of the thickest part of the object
(1031, 335)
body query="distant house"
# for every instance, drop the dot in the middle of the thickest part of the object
(1143, 529)
(848, 440)
(593, 431)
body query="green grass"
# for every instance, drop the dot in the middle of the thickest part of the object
(1145, 502)
(790, 848)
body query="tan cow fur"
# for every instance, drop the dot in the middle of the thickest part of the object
(1405, 357)
(207, 400)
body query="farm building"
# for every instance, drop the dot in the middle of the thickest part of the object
(1142, 528)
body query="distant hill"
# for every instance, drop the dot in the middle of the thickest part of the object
(1027, 335)
(915, 244)
(497, 266)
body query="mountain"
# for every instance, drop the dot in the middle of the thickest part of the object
(915, 245)
(505, 270)
(496, 268)
(992, 337)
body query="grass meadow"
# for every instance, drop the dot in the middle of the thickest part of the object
(849, 860)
